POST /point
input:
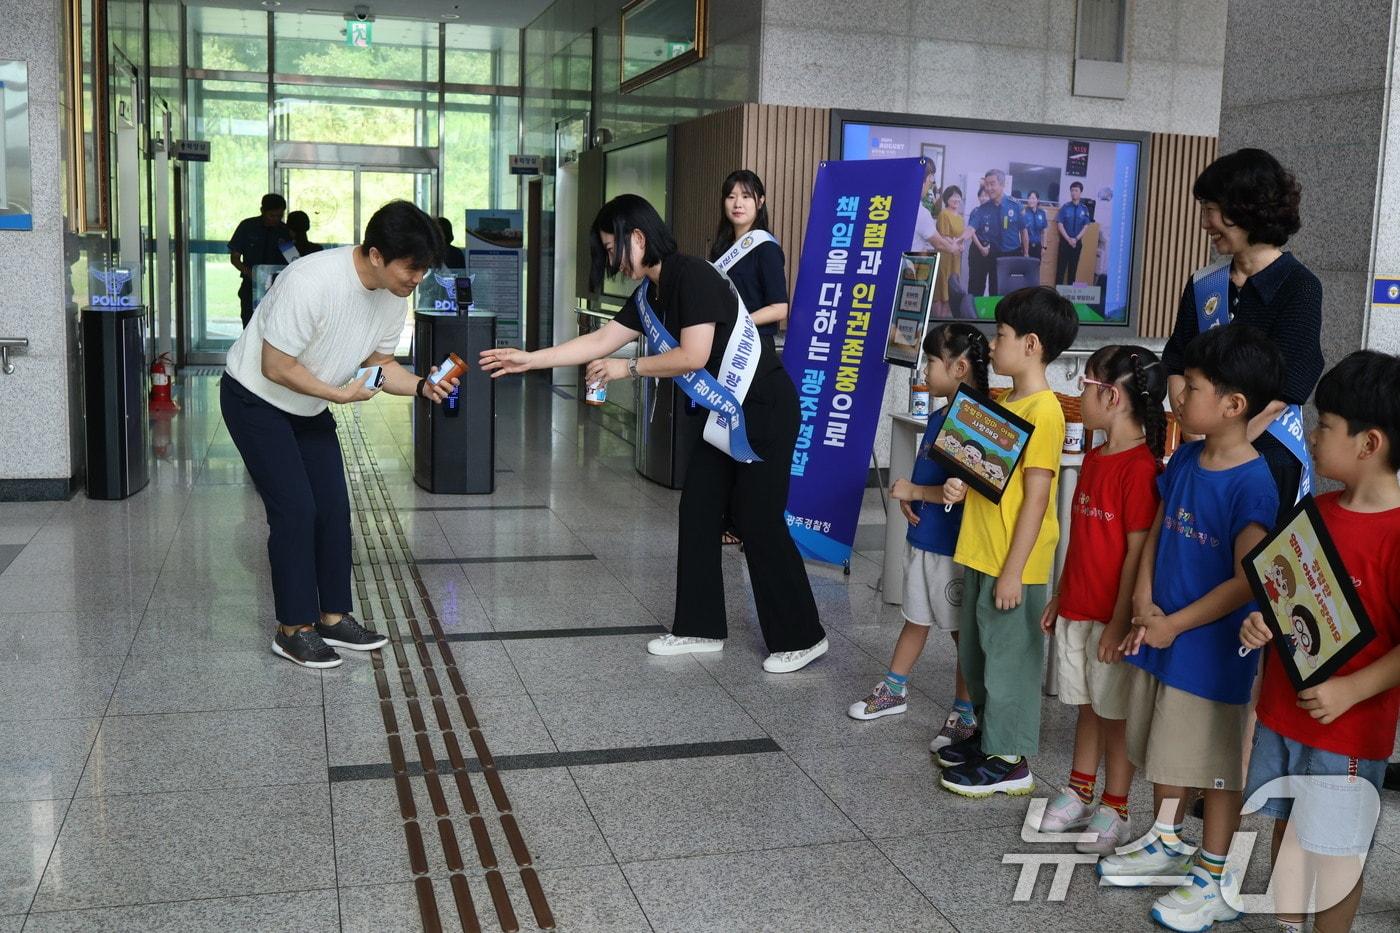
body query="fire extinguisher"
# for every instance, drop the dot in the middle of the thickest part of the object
(162, 374)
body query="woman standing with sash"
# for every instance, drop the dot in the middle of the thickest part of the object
(747, 253)
(698, 333)
(1249, 207)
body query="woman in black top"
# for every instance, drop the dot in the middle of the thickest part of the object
(1249, 207)
(758, 277)
(697, 307)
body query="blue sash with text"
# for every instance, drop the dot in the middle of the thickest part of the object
(1211, 285)
(705, 390)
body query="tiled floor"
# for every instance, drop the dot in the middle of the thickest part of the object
(161, 770)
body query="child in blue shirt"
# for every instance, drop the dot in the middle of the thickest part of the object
(956, 353)
(1189, 695)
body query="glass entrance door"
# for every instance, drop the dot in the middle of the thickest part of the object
(327, 195)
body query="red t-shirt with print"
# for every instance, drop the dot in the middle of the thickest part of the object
(1369, 546)
(1117, 495)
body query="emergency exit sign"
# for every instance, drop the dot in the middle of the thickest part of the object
(359, 33)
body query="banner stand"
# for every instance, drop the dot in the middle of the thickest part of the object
(862, 221)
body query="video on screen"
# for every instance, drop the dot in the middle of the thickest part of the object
(1006, 210)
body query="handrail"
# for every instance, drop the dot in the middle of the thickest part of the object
(6, 345)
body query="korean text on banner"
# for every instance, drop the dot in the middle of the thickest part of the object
(862, 220)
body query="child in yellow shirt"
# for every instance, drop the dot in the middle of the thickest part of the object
(1007, 550)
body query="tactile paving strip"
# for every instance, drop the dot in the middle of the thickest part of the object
(388, 583)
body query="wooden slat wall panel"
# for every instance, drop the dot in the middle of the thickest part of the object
(707, 149)
(784, 145)
(1174, 245)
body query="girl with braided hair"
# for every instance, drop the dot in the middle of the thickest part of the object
(956, 353)
(1114, 506)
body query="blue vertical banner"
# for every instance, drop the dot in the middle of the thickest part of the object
(862, 221)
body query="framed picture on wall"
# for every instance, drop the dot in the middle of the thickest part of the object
(658, 37)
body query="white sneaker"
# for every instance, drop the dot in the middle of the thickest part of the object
(1146, 862)
(882, 701)
(1066, 813)
(683, 644)
(1196, 905)
(785, 662)
(1109, 830)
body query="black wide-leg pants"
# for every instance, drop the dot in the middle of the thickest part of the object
(754, 496)
(296, 466)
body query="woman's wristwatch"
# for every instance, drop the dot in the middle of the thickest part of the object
(632, 367)
(422, 381)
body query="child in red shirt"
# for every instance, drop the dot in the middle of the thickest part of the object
(1334, 738)
(1114, 506)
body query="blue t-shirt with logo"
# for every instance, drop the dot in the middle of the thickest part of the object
(1203, 512)
(937, 530)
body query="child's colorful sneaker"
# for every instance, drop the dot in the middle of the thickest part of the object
(953, 731)
(882, 701)
(1066, 814)
(988, 776)
(1148, 861)
(1196, 905)
(1109, 831)
(969, 749)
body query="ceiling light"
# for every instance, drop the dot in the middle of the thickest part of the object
(271, 4)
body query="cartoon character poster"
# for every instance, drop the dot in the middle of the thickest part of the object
(981, 442)
(1307, 598)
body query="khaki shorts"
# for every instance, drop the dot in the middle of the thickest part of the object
(1082, 677)
(933, 589)
(1182, 740)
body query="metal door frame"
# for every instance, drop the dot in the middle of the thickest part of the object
(412, 160)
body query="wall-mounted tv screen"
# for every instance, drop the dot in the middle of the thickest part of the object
(1013, 205)
(640, 167)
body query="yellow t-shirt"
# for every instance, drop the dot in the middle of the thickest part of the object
(987, 527)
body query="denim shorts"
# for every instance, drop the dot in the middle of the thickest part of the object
(1333, 801)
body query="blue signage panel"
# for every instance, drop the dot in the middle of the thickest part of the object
(862, 221)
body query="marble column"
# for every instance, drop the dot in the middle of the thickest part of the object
(1310, 82)
(36, 459)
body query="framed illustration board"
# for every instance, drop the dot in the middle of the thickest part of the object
(981, 442)
(1307, 598)
(909, 315)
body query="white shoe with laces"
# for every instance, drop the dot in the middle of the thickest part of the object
(1147, 862)
(785, 662)
(669, 644)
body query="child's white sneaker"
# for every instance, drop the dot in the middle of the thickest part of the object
(1196, 905)
(882, 701)
(1148, 861)
(683, 644)
(1066, 813)
(1109, 831)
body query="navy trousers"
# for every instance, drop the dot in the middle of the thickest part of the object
(295, 464)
